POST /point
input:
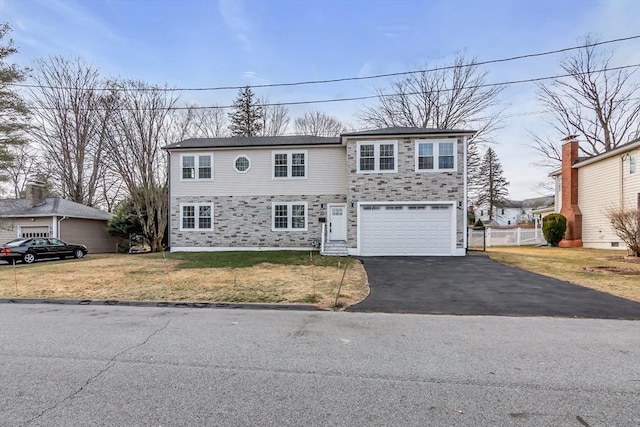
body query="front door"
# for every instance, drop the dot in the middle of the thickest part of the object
(337, 222)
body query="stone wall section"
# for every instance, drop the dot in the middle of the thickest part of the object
(405, 185)
(246, 221)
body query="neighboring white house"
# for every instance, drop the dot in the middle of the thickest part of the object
(514, 212)
(587, 188)
(392, 191)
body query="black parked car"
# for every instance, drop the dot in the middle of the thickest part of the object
(28, 250)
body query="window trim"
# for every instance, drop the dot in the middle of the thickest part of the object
(436, 154)
(376, 156)
(196, 217)
(236, 159)
(197, 156)
(289, 154)
(633, 163)
(289, 220)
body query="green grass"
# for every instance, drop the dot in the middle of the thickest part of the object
(251, 258)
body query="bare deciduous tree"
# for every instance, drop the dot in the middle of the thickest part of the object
(600, 104)
(71, 119)
(452, 98)
(626, 224)
(317, 123)
(26, 164)
(140, 127)
(275, 118)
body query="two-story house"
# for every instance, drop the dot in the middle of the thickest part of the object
(392, 191)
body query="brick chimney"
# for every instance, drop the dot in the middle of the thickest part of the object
(35, 193)
(570, 208)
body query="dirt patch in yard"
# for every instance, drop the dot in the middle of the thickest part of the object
(613, 270)
(147, 278)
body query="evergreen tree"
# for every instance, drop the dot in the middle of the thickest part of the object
(247, 115)
(493, 188)
(13, 109)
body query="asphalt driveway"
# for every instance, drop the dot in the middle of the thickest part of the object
(477, 285)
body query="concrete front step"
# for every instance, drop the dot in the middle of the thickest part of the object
(335, 249)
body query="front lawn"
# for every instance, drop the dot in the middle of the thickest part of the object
(608, 271)
(262, 277)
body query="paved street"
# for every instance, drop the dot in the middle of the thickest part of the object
(99, 365)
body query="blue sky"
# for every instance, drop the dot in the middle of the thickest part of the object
(198, 43)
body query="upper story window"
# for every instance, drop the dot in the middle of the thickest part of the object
(197, 166)
(196, 216)
(632, 163)
(289, 164)
(378, 156)
(242, 164)
(436, 155)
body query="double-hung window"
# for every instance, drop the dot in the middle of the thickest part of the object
(377, 156)
(436, 155)
(289, 164)
(632, 163)
(197, 166)
(196, 216)
(289, 216)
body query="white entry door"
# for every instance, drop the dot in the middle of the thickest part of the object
(337, 222)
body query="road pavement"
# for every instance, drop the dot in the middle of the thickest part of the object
(149, 366)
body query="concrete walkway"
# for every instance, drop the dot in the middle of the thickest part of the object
(477, 285)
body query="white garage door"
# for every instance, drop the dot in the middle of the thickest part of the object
(406, 230)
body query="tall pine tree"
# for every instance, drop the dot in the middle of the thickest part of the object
(13, 109)
(246, 117)
(493, 187)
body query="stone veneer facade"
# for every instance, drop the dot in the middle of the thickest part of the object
(404, 185)
(246, 221)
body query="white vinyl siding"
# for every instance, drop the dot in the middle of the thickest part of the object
(196, 216)
(377, 156)
(289, 216)
(326, 171)
(599, 188)
(290, 164)
(436, 155)
(196, 167)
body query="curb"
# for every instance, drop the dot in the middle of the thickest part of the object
(167, 304)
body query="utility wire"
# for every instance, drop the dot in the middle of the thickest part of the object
(345, 79)
(362, 98)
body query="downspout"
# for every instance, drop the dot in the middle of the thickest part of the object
(465, 203)
(622, 159)
(57, 231)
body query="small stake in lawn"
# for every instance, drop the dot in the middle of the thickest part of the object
(15, 275)
(166, 267)
(335, 304)
(313, 277)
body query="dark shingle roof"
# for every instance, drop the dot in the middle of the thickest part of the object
(407, 131)
(254, 141)
(53, 206)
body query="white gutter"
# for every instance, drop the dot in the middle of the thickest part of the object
(614, 152)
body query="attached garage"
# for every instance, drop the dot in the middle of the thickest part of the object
(407, 229)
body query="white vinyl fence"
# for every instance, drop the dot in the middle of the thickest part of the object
(505, 237)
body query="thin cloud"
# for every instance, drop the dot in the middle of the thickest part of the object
(234, 18)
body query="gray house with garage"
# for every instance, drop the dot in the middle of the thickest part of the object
(391, 191)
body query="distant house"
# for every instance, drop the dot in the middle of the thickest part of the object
(514, 212)
(586, 188)
(40, 216)
(392, 191)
